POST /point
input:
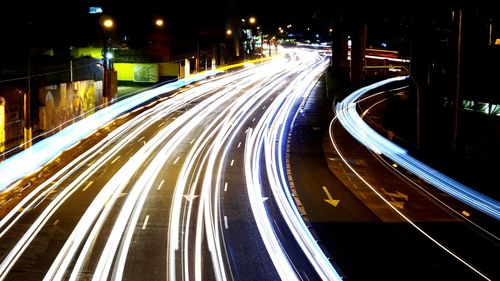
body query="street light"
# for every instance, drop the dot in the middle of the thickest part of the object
(159, 22)
(108, 24)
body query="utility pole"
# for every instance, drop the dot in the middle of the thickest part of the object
(105, 77)
(27, 111)
(197, 61)
(2, 125)
(108, 25)
(458, 81)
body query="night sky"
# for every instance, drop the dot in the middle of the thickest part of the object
(67, 23)
(62, 23)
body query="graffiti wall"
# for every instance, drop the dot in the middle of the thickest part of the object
(62, 104)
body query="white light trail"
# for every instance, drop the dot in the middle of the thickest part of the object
(244, 94)
(271, 139)
(352, 122)
(31, 159)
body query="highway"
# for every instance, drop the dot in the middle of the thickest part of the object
(190, 187)
(231, 178)
(428, 230)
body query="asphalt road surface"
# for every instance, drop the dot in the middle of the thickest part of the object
(189, 187)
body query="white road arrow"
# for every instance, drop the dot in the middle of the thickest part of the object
(190, 197)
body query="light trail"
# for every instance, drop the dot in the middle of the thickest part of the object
(273, 139)
(30, 160)
(401, 174)
(179, 191)
(352, 122)
(143, 120)
(122, 134)
(133, 205)
(236, 98)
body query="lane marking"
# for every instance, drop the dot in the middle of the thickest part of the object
(239, 144)
(161, 183)
(176, 159)
(139, 140)
(161, 124)
(192, 141)
(113, 162)
(55, 223)
(225, 187)
(253, 119)
(88, 185)
(225, 222)
(232, 162)
(330, 199)
(145, 222)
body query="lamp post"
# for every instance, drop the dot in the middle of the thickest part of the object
(107, 24)
(27, 111)
(251, 21)
(259, 33)
(243, 22)
(2, 124)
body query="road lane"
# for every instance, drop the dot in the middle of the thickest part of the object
(173, 184)
(445, 244)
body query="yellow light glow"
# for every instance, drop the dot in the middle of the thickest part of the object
(159, 22)
(497, 42)
(229, 32)
(252, 20)
(108, 23)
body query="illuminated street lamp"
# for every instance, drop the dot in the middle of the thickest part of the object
(159, 22)
(251, 21)
(229, 32)
(108, 25)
